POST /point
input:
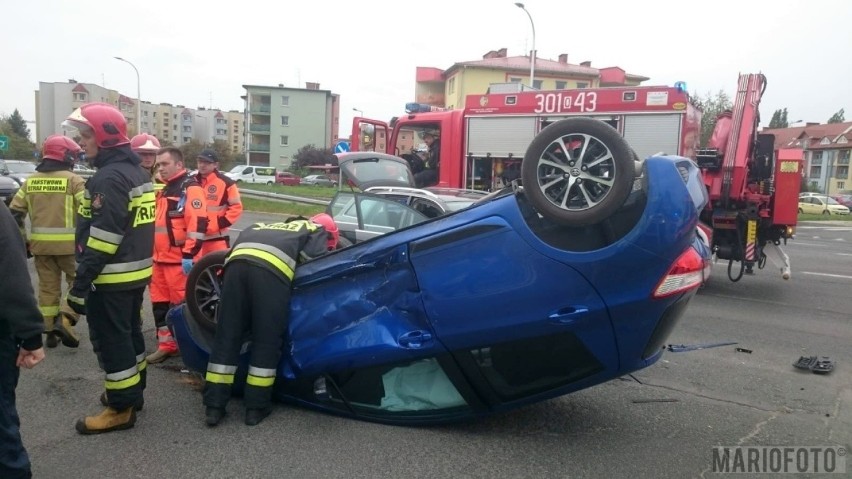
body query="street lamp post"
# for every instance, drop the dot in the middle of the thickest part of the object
(361, 113)
(138, 96)
(532, 53)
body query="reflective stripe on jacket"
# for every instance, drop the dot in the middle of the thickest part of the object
(51, 200)
(278, 247)
(222, 199)
(181, 223)
(115, 224)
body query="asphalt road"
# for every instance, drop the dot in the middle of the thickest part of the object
(661, 422)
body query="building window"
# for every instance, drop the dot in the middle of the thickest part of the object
(79, 97)
(187, 128)
(561, 85)
(174, 138)
(285, 121)
(841, 172)
(175, 116)
(452, 85)
(514, 80)
(155, 114)
(841, 185)
(236, 138)
(174, 128)
(817, 156)
(285, 100)
(815, 171)
(582, 84)
(537, 84)
(285, 140)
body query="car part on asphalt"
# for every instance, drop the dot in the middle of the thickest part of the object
(680, 348)
(815, 364)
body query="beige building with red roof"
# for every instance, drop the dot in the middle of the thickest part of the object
(827, 149)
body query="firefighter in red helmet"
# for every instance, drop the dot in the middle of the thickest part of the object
(258, 272)
(114, 245)
(51, 197)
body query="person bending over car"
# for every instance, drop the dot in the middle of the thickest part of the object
(258, 273)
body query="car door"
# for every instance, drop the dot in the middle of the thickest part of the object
(519, 323)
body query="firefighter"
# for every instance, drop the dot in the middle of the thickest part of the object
(114, 241)
(429, 175)
(258, 272)
(180, 228)
(222, 202)
(146, 147)
(20, 343)
(51, 197)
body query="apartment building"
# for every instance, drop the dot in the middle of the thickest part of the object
(449, 88)
(173, 124)
(826, 150)
(281, 120)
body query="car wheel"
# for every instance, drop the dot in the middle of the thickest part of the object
(268, 183)
(826, 213)
(800, 211)
(578, 171)
(204, 288)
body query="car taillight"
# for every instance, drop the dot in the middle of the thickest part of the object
(686, 273)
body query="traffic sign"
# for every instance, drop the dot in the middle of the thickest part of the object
(341, 147)
(4, 143)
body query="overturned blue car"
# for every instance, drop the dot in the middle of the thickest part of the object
(546, 287)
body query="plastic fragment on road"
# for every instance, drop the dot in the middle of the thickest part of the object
(815, 364)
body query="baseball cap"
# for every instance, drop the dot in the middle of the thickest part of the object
(208, 155)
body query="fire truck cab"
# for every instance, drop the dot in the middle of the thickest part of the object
(482, 145)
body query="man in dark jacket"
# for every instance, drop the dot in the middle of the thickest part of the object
(114, 244)
(256, 298)
(20, 342)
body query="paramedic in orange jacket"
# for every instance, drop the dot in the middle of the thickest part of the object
(222, 201)
(179, 230)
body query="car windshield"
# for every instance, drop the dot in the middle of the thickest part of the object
(237, 169)
(21, 167)
(832, 201)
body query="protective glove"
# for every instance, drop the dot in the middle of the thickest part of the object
(186, 264)
(76, 299)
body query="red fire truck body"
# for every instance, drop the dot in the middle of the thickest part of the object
(491, 134)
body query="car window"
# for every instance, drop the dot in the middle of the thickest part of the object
(21, 167)
(247, 171)
(429, 208)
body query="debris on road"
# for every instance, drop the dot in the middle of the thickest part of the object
(680, 348)
(743, 350)
(815, 364)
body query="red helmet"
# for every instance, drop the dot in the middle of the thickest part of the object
(107, 123)
(144, 143)
(60, 148)
(327, 222)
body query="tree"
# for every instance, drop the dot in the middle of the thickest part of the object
(779, 119)
(190, 152)
(20, 147)
(838, 117)
(224, 153)
(309, 155)
(712, 107)
(19, 125)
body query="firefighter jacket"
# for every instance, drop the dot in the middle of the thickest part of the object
(180, 223)
(278, 247)
(51, 199)
(19, 316)
(223, 203)
(115, 225)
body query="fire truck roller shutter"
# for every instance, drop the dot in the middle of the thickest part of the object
(500, 136)
(652, 134)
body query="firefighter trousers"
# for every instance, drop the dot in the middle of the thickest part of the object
(14, 462)
(115, 330)
(49, 269)
(254, 301)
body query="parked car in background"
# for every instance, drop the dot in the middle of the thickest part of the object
(317, 180)
(8, 188)
(83, 170)
(820, 205)
(18, 169)
(844, 199)
(488, 308)
(287, 178)
(252, 174)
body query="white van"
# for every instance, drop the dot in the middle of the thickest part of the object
(252, 174)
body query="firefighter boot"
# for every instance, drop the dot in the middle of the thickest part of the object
(166, 346)
(138, 406)
(63, 328)
(51, 341)
(254, 416)
(213, 415)
(106, 421)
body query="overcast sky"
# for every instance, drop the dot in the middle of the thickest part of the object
(197, 53)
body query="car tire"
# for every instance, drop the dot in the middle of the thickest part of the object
(560, 186)
(268, 183)
(204, 289)
(800, 211)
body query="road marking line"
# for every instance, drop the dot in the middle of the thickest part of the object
(829, 275)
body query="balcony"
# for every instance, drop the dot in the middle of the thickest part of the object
(259, 128)
(259, 147)
(260, 108)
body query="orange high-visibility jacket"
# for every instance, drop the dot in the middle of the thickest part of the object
(223, 205)
(180, 220)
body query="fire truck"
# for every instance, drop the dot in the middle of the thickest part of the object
(483, 146)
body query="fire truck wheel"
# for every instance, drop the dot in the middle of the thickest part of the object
(204, 288)
(578, 171)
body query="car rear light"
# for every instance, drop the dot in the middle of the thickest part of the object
(686, 273)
